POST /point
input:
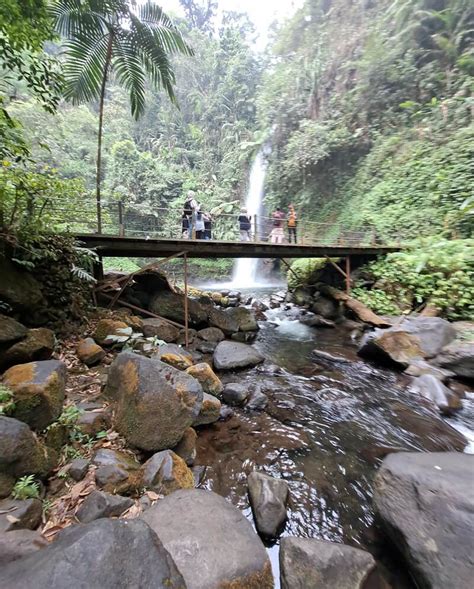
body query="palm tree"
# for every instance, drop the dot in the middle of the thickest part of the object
(117, 38)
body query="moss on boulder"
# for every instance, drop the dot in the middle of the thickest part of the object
(166, 472)
(106, 328)
(204, 374)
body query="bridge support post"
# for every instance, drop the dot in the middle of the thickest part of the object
(255, 235)
(186, 319)
(348, 275)
(120, 215)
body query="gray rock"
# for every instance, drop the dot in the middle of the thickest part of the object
(429, 387)
(99, 504)
(165, 472)
(21, 452)
(22, 292)
(19, 543)
(235, 393)
(206, 347)
(426, 504)
(93, 422)
(89, 352)
(78, 468)
(37, 345)
(171, 306)
(223, 320)
(211, 334)
(160, 329)
(302, 296)
(257, 400)
(186, 447)
(307, 563)
(244, 337)
(105, 554)
(199, 473)
(421, 367)
(210, 410)
(268, 498)
(327, 308)
(245, 318)
(155, 402)
(11, 330)
(229, 355)
(211, 542)
(459, 358)
(27, 514)
(117, 472)
(316, 320)
(226, 413)
(38, 391)
(433, 332)
(329, 357)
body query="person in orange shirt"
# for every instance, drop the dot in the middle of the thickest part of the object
(291, 223)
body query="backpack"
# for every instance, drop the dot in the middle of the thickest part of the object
(187, 210)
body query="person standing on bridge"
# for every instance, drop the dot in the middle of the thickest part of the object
(277, 234)
(292, 222)
(191, 207)
(245, 223)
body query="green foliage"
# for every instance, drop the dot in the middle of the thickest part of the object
(69, 415)
(26, 488)
(7, 403)
(435, 271)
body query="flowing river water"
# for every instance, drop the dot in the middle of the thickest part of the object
(325, 429)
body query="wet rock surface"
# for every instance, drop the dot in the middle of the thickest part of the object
(429, 387)
(305, 563)
(120, 554)
(230, 355)
(211, 542)
(426, 504)
(459, 358)
(268, 498)
(210, 410)
(209, 381)
(235, 393)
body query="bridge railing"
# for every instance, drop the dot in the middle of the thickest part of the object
(133, 220)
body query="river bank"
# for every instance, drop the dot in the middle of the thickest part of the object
(310, 413)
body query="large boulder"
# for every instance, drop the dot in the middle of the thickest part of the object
(268, 498)
(160, 329)
(19, 543)
(89, 352)
(117, 472)
(171, 306)
(223, 320)
(458, 357)
(414, 337)
(325, 307)
(426, 504)
(38, 391)
(22, 292)
(211, 542)
(105, 554)
(155, 402)
(229, 355)
(16, 514)
(245, 318)
(166, 472)
(431, 388)
(210, 410)
(204, 374)
(302, 296)
(37, 345)
(307, 563)
(11, 330)
(21, 452)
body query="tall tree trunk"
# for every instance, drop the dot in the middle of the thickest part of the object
(99, 139)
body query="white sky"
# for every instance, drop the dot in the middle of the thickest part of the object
(261, 12)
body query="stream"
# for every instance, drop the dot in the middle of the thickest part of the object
(325, 429)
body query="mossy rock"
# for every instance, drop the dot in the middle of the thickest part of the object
(166, 472)
(106, 328)
(38, 391)
(209, 381)
(37, 345)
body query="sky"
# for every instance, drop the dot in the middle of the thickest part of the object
(261, 12)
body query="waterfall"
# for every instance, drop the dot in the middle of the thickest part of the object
(245, 269)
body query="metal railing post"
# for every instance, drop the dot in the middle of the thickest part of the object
(255, 236)
(121, 223)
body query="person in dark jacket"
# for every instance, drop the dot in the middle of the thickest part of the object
(245, 223)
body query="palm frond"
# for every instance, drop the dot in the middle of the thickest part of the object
(162, 28)
(76, 17)
(84, 69)
(128, 68)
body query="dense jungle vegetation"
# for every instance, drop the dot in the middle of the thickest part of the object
(366, 105)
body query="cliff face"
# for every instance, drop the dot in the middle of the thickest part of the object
(372, 114)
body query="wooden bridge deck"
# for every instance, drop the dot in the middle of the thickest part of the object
(114, 246)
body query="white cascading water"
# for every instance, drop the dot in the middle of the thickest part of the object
(245, 269)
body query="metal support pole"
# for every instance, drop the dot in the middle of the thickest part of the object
(348, 275)
(255, 236)
(120, 214)
(186, 320)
